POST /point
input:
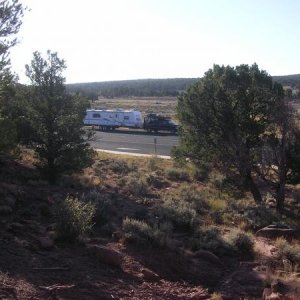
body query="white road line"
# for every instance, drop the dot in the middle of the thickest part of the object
(129, 142)
(130, 149)
(134, 154)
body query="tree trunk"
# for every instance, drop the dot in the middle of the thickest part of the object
(253, 188)
(280, 192)
(280, 196)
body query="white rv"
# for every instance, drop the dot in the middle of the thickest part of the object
(112, 119)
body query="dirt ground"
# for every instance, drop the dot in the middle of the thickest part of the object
(33, 265)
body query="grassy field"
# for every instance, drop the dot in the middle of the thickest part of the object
(159, 105)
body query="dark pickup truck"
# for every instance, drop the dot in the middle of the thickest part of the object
(155, 123)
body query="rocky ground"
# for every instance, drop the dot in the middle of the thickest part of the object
(35, 266)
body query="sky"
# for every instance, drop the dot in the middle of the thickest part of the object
(106, 40)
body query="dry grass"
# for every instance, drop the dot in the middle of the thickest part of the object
(160, 105)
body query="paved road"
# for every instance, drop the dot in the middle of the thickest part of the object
(134, 141)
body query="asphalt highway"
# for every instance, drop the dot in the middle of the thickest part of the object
(134, 141)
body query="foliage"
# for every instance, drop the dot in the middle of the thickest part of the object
(224, 116)
(11, 12)
(59, 139)
(151, 87)
(293, 156)
(122, 167)
(137, 185)
(142, 234)
(201, 172)
(241, 241)
(179, 213)
(259, 216)
(128, 88)
(177, 174)
(210, 238)
(155, 180)
(8, 134)
(105, 205)
(73, 219)
(153, 163)
(190, 194)
(288, 254)
(280, 153)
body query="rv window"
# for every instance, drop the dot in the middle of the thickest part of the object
(96, 116)
(126, 117)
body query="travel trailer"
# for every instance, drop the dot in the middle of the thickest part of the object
(112, 119)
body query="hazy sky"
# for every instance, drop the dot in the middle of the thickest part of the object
(132, 39)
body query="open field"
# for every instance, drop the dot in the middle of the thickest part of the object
(160, 105)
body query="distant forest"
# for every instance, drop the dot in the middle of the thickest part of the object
(129, 88)
(151, 87)
(289, 80)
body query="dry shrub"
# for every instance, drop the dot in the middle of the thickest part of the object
(288, 254)
(105, 205)
(156, 181)
(210, 238)
(137, 185)
(181, 214)
(140, 233)
(190, 194)
(241, 241)
(154, 163)
(122, 167)
(73, 219)
(177, 174)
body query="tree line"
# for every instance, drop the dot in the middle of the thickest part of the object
(160, 87)
(132, 88)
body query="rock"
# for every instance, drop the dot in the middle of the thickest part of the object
(149, 275)
(46, 242)
(5, 210)
(275, 296)
(274, 232)
(106, 255)
(207, 256)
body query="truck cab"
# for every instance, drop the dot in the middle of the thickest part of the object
(155, 123)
